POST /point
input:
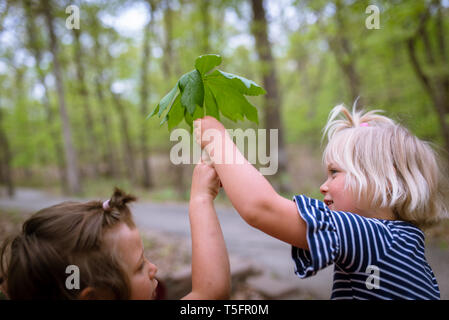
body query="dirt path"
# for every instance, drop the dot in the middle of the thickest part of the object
(241, 239)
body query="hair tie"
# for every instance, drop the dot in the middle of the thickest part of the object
(364, 124)
(106, 205)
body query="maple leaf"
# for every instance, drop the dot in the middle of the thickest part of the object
(208, 91)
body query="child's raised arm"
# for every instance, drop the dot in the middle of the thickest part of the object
(211, 278)
(248, 190)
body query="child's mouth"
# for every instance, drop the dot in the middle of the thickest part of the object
(154, 293)
(328, 202)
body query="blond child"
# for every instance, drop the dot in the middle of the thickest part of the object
(102, 240)
(383, 185)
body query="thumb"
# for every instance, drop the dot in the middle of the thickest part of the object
(205, 157)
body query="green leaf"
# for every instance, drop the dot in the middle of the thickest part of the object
(164, 120)
(176, 113)
(210, 104)
(192, 91)
(243, 85)
(208, 91)
(178, 97)
(199, 113)
(165, 102)
(207, 62)
(229, 99)
(153, 112)
(169, 109)
(228, 95)
(250, 112)
(188, 118)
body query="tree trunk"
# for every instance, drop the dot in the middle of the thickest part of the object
(92, 141)
(436, 85)
(168, 30)
(5, 160)
(54, 134)
(440, 104)
(272, 119)
(144, 91)
(69, 150)
(126, 139)
(170, 65)
(345, 56)
(24, 125)
(5, 152)
(343, 51)
(205, 21)
(109, 155)
(311, 83)
(128, 150)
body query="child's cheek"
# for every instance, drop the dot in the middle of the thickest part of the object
(140, 288)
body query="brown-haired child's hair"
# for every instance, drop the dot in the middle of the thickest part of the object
(33, 263)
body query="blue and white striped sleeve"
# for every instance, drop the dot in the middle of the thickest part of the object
(322, 239)
(347, 239)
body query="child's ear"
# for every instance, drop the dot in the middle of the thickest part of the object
(87, 294)
(90, 293)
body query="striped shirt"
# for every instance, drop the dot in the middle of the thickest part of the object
(373, 258)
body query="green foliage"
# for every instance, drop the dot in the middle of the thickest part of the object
(192, 91)
(203, 91)
(309, 76)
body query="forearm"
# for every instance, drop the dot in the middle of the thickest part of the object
(248, 190)
(210, 262)
(257, 202)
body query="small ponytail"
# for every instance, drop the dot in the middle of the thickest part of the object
(354, 119)
(119, 199)
(116, 208)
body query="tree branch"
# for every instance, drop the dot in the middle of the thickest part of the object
(442, 48)
(429, 52)
(440, 34)
(417, 67)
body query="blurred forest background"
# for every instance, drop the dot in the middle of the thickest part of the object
(73, 102)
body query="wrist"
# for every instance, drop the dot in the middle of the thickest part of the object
(201, 199)
(200, 206)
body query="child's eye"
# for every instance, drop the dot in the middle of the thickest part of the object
(142, 265)
(333, 172)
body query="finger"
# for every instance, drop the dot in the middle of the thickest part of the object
(197, 135)
(205, 158)
(197, 123)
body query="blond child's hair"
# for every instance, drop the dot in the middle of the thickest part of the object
(386, 165)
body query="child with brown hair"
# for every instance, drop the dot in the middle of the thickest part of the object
(102, 240)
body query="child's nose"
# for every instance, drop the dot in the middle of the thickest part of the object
(324, 188)
(152, 271)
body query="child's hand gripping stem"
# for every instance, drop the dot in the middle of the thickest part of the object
(210, 262)
(248, 190)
